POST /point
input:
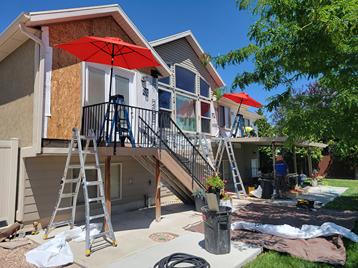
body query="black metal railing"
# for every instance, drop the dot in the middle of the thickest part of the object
(180, 146)
(149, 128)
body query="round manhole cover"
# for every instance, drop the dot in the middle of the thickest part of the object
(163, 237)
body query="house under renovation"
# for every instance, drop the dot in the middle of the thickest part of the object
(52, 91)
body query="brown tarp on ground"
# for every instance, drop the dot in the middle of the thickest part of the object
(322, 249)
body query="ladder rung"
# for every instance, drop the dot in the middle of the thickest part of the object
(100, 234)
(55, 224)
(87, 137)
(68, 195)
(64, 208)
(85, 167)
(71, 180)
(96, 216)
(84, 152)
(95, 199)
(90, 183)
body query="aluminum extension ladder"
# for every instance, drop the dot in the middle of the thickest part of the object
(225, 142)
(81, 180)
(201, 139)
(239, 123)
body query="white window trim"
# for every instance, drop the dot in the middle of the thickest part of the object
(170, 76)
(201, 96)
(180, 89)
(196, 112)
(225, 107)
(209, 118)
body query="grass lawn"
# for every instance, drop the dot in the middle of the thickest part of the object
(347, 201)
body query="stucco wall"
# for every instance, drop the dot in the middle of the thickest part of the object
(66, 72)
(17, 77)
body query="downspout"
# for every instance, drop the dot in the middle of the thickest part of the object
(37, 123)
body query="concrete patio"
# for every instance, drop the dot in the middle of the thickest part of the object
(136, 250)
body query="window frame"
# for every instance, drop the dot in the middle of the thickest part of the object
(224, 127)
(183, 90)
(103, 179)
(170, 76)
(201, 96)
(196, 111)
(204, 117)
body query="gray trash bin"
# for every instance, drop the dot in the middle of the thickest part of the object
(217, 230)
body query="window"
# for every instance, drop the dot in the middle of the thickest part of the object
(222, 116)
(122, 87)
(93, 191)
(204, 88)
(96, 93)
(225, 117)
(247, 122)
(184, 79)
(185, 113)
(205, 117)
(165, 99)
(165, 80)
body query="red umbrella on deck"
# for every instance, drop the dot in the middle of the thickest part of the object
(242, 98)
(111, 51)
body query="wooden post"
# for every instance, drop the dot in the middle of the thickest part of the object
(157, 190)
(294, 158)
(107, 187)
(274, 159)
(309, 163)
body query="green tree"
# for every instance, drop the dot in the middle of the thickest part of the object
(265, 129)
(292, 40)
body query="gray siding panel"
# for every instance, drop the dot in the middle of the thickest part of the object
(180, 52)
(43, 175)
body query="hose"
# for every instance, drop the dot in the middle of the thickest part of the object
(179, 258)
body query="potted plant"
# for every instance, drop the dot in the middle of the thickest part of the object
(226, 199)
(214, 184)
(199, 197)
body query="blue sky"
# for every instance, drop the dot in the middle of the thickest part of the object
(217, 25)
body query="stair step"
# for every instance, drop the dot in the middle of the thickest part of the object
(87, 137)
(96, 199)
(71, 180)
(91, 183)
(68, 195)
(100, 234)
(85, 167)
(60, 223)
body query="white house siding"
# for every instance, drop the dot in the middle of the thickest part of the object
(42, 182)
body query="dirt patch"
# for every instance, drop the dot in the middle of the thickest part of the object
(15, 258)
(163, 237)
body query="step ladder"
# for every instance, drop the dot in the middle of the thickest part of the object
(239, 123)
(81, 180)
(200, 140)
(225, 142)
(120, 122)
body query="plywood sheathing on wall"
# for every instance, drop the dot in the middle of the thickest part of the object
(66, 72)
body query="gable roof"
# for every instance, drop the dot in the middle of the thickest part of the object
(188, 35)
(12, 37)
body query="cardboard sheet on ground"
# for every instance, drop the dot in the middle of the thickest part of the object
(321, 249)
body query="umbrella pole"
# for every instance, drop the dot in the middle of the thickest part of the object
(238, 111)
(109, 98)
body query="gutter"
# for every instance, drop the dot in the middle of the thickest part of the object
(37, 120)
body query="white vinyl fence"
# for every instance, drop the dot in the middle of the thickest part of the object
(8, 180)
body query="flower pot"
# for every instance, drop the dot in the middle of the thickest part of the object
(199, 203)
(226, 203)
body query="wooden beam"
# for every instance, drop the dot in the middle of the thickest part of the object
(107, 187)
(157, 190)
(294, 158)
(274, 159)
(309, 163)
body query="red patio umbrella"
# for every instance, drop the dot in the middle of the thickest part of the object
(242, 98)
(110, 51)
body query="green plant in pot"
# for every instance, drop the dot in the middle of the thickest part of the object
(199, 197)
(214, 184)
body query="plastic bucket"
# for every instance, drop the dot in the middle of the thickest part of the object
(217, 230)
(267, 189)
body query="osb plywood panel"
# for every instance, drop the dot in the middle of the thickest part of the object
(66, 72)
